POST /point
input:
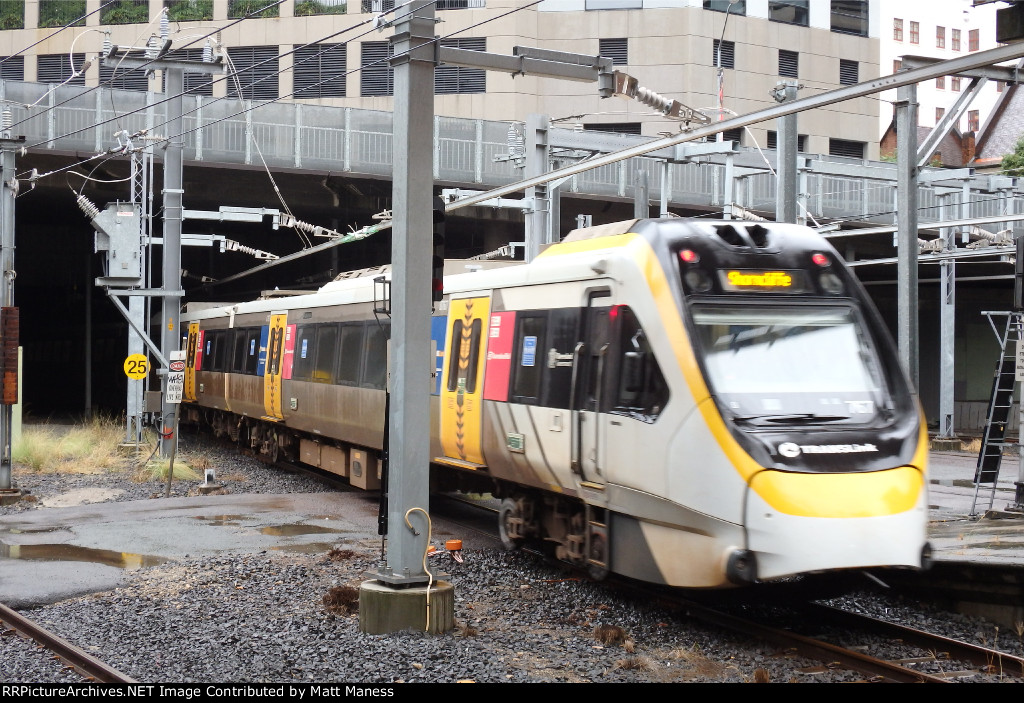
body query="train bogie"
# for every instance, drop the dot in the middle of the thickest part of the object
(698, 404)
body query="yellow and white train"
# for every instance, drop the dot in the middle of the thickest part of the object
(695, 403)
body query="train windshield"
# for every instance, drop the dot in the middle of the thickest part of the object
(792, 365)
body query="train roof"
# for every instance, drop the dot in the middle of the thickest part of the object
(582, 254)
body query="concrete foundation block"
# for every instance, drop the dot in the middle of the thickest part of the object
(384, 608)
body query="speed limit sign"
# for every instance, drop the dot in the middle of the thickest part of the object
(136, 366)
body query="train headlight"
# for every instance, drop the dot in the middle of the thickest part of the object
(697, 280)
(831, 283)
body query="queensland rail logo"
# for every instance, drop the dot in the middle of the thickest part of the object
(791, 449)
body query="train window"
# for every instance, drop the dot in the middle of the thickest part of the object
(558, 358)
(252, 351)
(238, 352)
(305, 348)
(529, 358)
(349, 353)
(326, 343)
(464, 365)
(217, 350)
(375, 367)
(640, 387)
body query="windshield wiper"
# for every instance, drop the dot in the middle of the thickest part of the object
(799, 418)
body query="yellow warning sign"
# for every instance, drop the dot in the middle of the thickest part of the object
(136, 366)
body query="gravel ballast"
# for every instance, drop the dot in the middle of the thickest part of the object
(278, 617)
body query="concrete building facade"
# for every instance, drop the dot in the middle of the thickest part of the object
(337, 56)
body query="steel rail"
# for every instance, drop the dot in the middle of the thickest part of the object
(86, 665)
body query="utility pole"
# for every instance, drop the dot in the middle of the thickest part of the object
(8, 313)
(786, 161)
(404, 594)
(907, 219)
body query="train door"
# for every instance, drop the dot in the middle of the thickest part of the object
(591, 367)
(462, 382)
(192, 347)
(274, 370)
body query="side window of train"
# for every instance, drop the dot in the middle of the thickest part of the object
(465, 363)
(375, 366)
(252, 351)
(218, 344)
(350, 353)
(563, 334)
(326, 343)
(529, 358)
(305, 348)
(640, 390)
(238, 352)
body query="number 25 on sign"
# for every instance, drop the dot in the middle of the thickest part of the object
(136, 366)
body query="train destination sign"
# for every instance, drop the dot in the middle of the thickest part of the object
(747, 280)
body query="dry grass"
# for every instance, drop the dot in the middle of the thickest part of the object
(86, 448)
(341, 600)
(156, 470)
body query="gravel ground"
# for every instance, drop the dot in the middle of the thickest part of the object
(278, 617)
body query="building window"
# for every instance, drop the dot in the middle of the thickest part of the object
(58, 13)
(940, 83)
(789, 62)
(849, 72)
(304, 8)
(850, 17)
(616, 127)
(12, 14)
(773, 140)
(615, 49)
(12, 68)
(999, 86)
(125, 78)
(955, 39)
(973, 40)
(726, 51)
(376, 6)
(188, 10)
(319, 71)
(255, 72)
(897, 64)
(739, 8)
(940, 37)
(954, 83)
(844, 147)
(915, 32)
(376, 76)
(733, 135)
(973, 120)
(238, 9)
(57, 68)
(125, 12)
(459, 4)
(451, 80)
(897, 29)
(940, 112)
(789, 11)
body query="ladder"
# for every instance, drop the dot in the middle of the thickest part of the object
(1000, 404)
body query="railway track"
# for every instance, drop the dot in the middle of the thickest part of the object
(91, 670)
(875, 650)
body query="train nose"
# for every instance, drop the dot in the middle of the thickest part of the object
(741, 567)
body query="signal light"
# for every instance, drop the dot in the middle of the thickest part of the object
(437, 275)
(821, 259)
(689, 256)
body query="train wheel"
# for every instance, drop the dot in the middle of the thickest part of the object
(510, 524)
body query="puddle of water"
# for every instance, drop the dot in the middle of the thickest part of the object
(308, 548)
(297, 529)
(221, 520)
(16, 531)
(70, 552)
